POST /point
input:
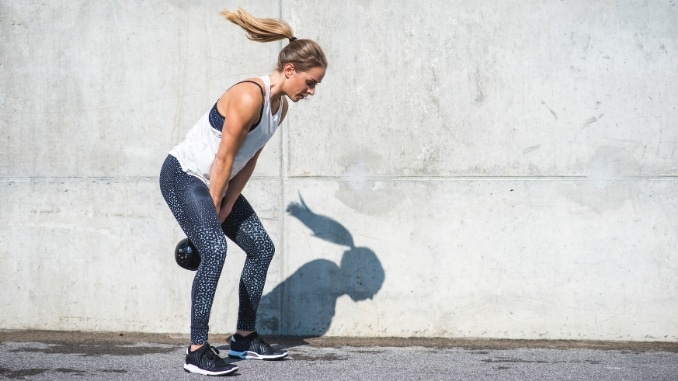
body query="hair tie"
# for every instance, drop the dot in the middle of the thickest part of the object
(292, 39)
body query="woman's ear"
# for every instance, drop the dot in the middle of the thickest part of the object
(289, 69)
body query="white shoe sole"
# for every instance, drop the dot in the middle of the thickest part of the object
(194, 369)
(255, 356)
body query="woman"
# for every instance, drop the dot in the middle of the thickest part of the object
(204, 175)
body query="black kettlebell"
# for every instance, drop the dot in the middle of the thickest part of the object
(187, 255)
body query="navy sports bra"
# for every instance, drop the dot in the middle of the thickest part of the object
(217, 120)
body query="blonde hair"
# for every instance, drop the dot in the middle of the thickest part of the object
(304, 54)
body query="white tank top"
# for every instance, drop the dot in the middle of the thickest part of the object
(197, 151)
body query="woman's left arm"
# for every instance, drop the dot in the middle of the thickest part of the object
(236, 185)
(238, 182)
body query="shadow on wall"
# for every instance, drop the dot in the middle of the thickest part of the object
(304, 304)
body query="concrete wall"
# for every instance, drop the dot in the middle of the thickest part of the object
(466, 169)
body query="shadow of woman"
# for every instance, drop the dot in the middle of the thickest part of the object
(305, 303)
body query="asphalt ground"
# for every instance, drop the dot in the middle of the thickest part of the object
(47, 355)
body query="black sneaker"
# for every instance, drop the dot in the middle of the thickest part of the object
(205, 360)
(253, 347)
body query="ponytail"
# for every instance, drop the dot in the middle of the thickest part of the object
(304, 54)
(260, 29)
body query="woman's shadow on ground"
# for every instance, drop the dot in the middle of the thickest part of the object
(304, 304)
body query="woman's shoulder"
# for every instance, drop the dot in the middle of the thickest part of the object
(250, 89)
(248, 84)
(244, 96)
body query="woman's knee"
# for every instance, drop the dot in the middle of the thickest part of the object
(211, 247)
(266, 249)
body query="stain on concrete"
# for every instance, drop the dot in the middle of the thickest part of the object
(97, 349)
(359, 190)
(73, 372)
(512, 360)
(369, 352)
(531, 148)
(592, 120)
(550, 110)
(324, 357)
(20, 374)
(608, 184)
(374, 201)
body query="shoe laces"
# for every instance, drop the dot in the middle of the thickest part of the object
(210, 351)
(261, 345)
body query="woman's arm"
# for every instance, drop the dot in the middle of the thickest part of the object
(241, 106)
(236, 185)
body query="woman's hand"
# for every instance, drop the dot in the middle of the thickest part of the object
(224, 211)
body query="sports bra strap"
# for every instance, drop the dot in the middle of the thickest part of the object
(217, 120)
(263, 100)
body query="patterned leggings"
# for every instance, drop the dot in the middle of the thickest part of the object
(190, 202)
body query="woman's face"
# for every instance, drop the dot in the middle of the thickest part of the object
(301, 84)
